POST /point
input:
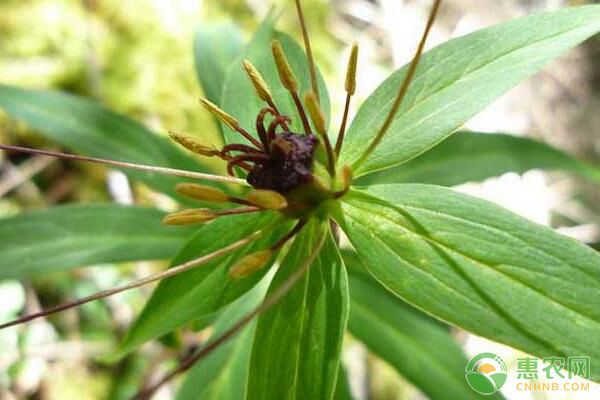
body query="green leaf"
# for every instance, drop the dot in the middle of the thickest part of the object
(88, 128)
(458, 79)
(222, 375)
(75, 236)
(342, 387)
(297, 345)
(480, 267)
(201, 291)
(216, 47)
(239, 98)
(409, 340)
(470, 156)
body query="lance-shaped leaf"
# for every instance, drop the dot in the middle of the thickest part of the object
(480, 267)
(86, 127)
(222, 375)
(297, 343)
(216, 47)
(458, 79)
(239, 98)
(342, 387)
(76, 236)
(201, 291)
(409, 340)
(471, 157)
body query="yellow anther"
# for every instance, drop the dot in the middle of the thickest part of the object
(351, 72)
(346, 176)
(194, 145)
(261, 87)
(315, 112)
(191, 216)
(286, 75)
(220, 114)
(267, 199)
(250, 264)
(202, 192)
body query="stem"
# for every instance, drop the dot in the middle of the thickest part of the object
(308, 47)
(297, 228)
(151, 278)
(330, 155)
(269, 302)
(123, 164)
(239, 210)
(403, 88)
(300, 108)
(340, 139)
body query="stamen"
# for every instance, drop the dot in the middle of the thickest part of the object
(190, 216)
(240, 147)
(255, 261)
(239, 210)
(268, 199)
(202, 192)
(229, 120)
(351, 71)
(212, 345)
(194, 145)
(346, 182)
(263, 199)
(311, 62)
(250, 264)
(319, 121)
(286, 75)
(315, 113)
(144, 281)
(224, 117)
(403, 87)
(293, 232)
(288, 80)
(260, 86)
(122, 164)
(350, 89)
(193, 216)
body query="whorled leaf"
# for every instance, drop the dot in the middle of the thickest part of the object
(216, 47)
(222, 375)
(480, 267)
(76, 236)
(239, 98)
(409, 340)
(201, 291)
(457, 79)
(342, 387)
(90, 129)
(296, 350)
(471, 157)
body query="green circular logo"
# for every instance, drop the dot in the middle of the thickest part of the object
(486, 373)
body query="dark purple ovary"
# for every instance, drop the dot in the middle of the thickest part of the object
(288, 166)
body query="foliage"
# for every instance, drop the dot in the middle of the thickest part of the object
(461, 260)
